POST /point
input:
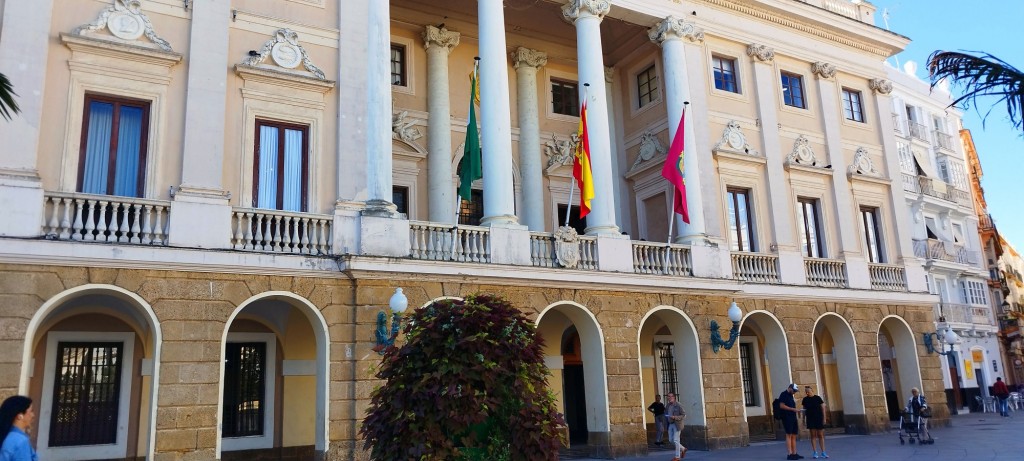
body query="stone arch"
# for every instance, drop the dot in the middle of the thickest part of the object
(551, 323)
(837, 367)
(277, 321)
(441, 298)
(133, 310)
(686, 353)
(771, 365)
(904, 366)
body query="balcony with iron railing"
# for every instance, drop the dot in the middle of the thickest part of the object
(935, 188)
(918, 131)
(943, 140)
(966, 315)
(938, 250)
(985, 222)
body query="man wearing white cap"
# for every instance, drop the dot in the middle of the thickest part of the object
(787, 404)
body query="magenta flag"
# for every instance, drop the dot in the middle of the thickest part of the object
(673, 170)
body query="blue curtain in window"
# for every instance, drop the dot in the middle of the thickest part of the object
(292, 170)
(97, 148)
(129, 146)
(268, 168)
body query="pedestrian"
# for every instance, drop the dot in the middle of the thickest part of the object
(658, 409)
(1002, 393)
(815, 417)
(674, 413)
(16, 418)
(918, 408)
(787, 404)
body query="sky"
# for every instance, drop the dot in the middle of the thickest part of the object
(992, 26)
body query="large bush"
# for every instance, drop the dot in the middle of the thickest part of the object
(467, 383)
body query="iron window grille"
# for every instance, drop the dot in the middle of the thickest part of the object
(244, 389)
(86, 396)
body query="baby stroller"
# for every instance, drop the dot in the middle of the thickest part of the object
(910, 427)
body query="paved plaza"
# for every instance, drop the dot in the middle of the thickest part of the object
(972, 437)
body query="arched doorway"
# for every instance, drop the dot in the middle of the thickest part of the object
(901, 371)
(574, 353)
(274, 379)
(670, 363)
(91, 362)
(764, 369)
(838, 371)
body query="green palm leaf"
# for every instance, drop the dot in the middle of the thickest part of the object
(7, 94)
(981, 76)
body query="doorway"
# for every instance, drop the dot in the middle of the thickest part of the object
(574, 388)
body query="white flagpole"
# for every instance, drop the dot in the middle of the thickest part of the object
(672, 209)
(568, 207)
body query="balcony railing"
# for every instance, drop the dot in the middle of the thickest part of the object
(932, 249)
(888, 277)
(653, 258)
(281, 231)
(543, 254)
(829, 273)
(935, 188)
(444, 242)
(918, 131)
(965, 314)
(755, 267)
(944, 140)
(985, 222)
(105, 218)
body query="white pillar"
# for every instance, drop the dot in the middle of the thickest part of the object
(780, 201)
(586, 15)
(495, 117)
(201, 197)
(526, 63)
(670, 34)
(619, 165)
(24, 43)
(441, 203)
(378, 111)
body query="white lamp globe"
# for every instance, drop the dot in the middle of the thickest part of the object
(735, 313)
(399, 302)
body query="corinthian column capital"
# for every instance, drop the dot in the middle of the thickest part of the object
(674, 28)
(763, 53)
(823, 70)
(880, 85)
(440, 37)
(525, 57)
(576, 9)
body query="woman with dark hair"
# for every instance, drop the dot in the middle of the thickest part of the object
(16, 417)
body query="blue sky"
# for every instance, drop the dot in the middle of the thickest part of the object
(992, 26)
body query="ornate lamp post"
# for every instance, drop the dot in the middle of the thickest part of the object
(398, 303)
(735, 315)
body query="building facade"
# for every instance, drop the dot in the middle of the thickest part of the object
(210, 203)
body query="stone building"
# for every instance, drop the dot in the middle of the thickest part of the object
(209, 203)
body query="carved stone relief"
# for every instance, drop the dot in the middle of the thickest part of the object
(572, 10)
(125, 20)
(402, 129)
(880, 85)
(650, 147)
(802, 153)
(823, 70)
(733, 140)
(440, 37)
(762, 52)
(862, 164)
(560, 151)
(672, 27)
(285, 51)
(525, 57)
(567, 247)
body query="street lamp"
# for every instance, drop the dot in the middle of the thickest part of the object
(735, 315)
(948, 337)
(398, 303)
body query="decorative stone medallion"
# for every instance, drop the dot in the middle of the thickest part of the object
(126, 21)
(802, 153)
(567, 247)
(650, 147)
(734, 140)
(286, 55)
(862, 164)
(125, 25)
(285, 51)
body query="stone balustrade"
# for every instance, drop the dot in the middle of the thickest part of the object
(888, 277)
(654, 258)
(444, 242)
(105, 218)
(280, 231)
(755, 267)
(830, 273)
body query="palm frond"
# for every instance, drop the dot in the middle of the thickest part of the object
(7, 102)
(983, 75)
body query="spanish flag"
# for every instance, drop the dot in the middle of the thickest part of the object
(581, 165)
(673, 170)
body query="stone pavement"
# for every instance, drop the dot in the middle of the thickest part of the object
(972, 437)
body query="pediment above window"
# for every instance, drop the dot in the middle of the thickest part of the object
(284, 54)
(124, 22)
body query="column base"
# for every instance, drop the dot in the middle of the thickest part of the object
(381, 208)
(21, 198)
(603, 230)
(192, 206)
(503, 220)
(692, 239)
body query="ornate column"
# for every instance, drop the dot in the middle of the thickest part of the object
(780, 201)
(495, 117)
(586, 15)
(440, 202)
(526, 63)
(378, 111)
(24, 43)
(670, 34)
(201, 197)
(849, 248)
(901, 212)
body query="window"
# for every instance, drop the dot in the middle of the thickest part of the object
(86, 394)
(810, 228)
(666, 356)
(245, 384)
(793, 90)
(747, 371)
(112, 160)
(725, 74)
(973, 292)
(575, 222)
(565, 97)
(647, 86)
(472, 211)
(398, 74)
(853, 107)
(400, 197)
(939, 124)
(741, 228)
(872, 234)
(281, 166)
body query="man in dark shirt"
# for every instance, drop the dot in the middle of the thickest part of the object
(787, 404)
(1002, 393)
(658, 409)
